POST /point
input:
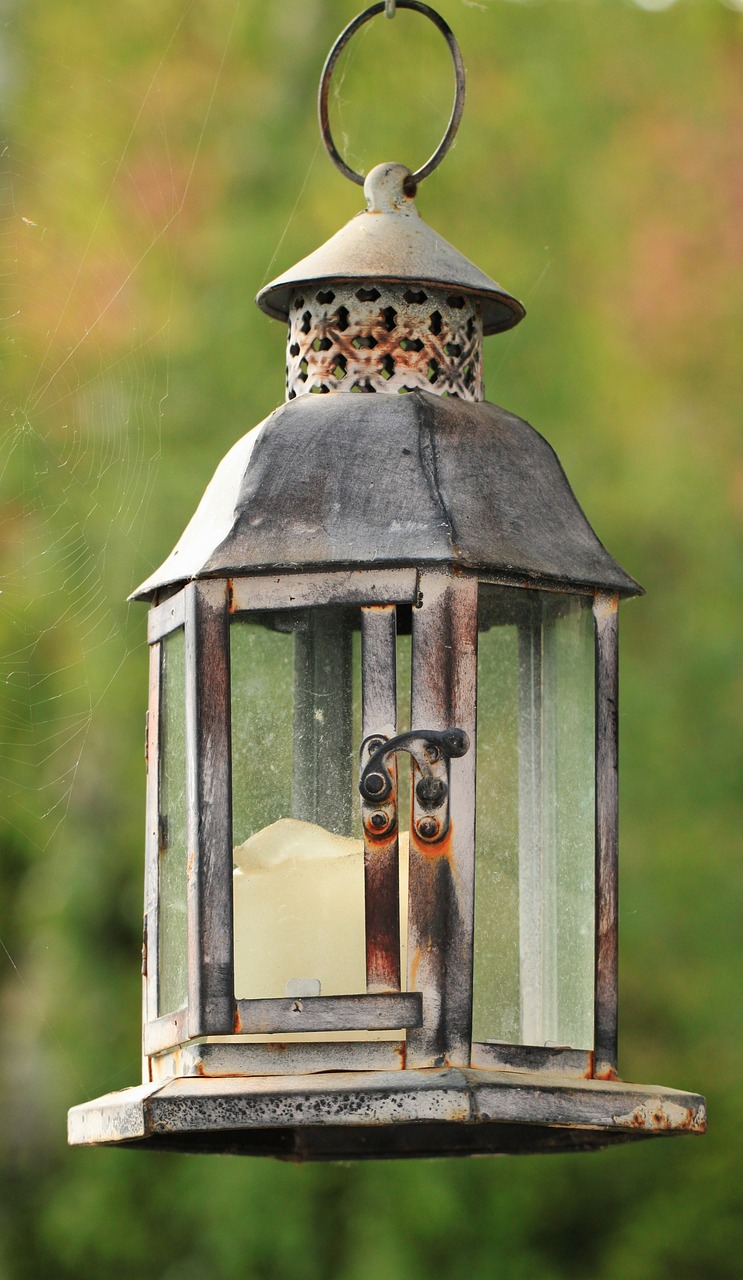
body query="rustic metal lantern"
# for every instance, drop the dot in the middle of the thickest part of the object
(392, 597)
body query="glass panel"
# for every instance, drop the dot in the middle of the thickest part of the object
(299, 874)
(173, 947)
(534, 905)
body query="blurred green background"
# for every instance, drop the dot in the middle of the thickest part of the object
(160, 164)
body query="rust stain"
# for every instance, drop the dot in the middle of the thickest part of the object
(588, 1073)
(381, 877)
(436, 849)
(380, 843)
(608, 1074)
(348, 338)
(230, 596)
(659, 1121)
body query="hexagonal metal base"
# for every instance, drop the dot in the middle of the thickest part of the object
(356, 1115)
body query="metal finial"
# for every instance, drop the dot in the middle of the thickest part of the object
(388, 7)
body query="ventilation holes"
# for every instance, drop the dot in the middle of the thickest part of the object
(385, 344)
(325, 297)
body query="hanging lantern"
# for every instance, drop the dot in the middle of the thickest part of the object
(381, 867)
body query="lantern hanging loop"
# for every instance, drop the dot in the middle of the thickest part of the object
(389, 8)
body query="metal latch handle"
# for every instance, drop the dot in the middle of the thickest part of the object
(431, 749)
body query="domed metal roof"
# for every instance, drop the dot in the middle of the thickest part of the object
(402, 480)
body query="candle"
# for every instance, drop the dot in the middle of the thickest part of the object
(299, 912)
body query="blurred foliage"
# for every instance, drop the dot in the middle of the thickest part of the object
(161, 162)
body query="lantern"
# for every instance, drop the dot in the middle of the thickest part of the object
(381, 865)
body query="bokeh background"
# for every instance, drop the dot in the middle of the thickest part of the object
(160, 163)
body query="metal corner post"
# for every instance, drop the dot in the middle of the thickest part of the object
(209, 789)
(606, 622)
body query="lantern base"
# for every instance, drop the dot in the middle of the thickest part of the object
(374, 1115)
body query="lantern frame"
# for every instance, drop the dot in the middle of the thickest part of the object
(436, 1093)
(444, 685)
(479, 497)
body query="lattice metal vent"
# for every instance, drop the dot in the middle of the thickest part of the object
(394, 338)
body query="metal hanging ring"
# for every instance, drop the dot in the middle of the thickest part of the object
(383, 6)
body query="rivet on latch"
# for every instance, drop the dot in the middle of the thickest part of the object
(431, 791)
(427, 828)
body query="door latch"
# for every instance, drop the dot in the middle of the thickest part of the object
(431, 750)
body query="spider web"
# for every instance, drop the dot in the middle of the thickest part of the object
(88, 248)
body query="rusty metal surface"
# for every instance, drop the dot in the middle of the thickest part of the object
(381, 1012)
(389, 242)
(445, 1111)
(209, 797)
(431, 750)
(403, 480)
(303, 590)
(379, 822)
(388, 339)
(441, 874)
(165, 1032)
(526, 1057)
(231, 1056)
(606, 983)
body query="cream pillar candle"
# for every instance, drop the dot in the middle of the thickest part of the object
(299, 911)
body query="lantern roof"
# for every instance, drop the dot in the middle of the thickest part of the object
(413, 479)
(389, 242)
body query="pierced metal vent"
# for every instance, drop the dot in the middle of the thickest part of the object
(391, 338)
